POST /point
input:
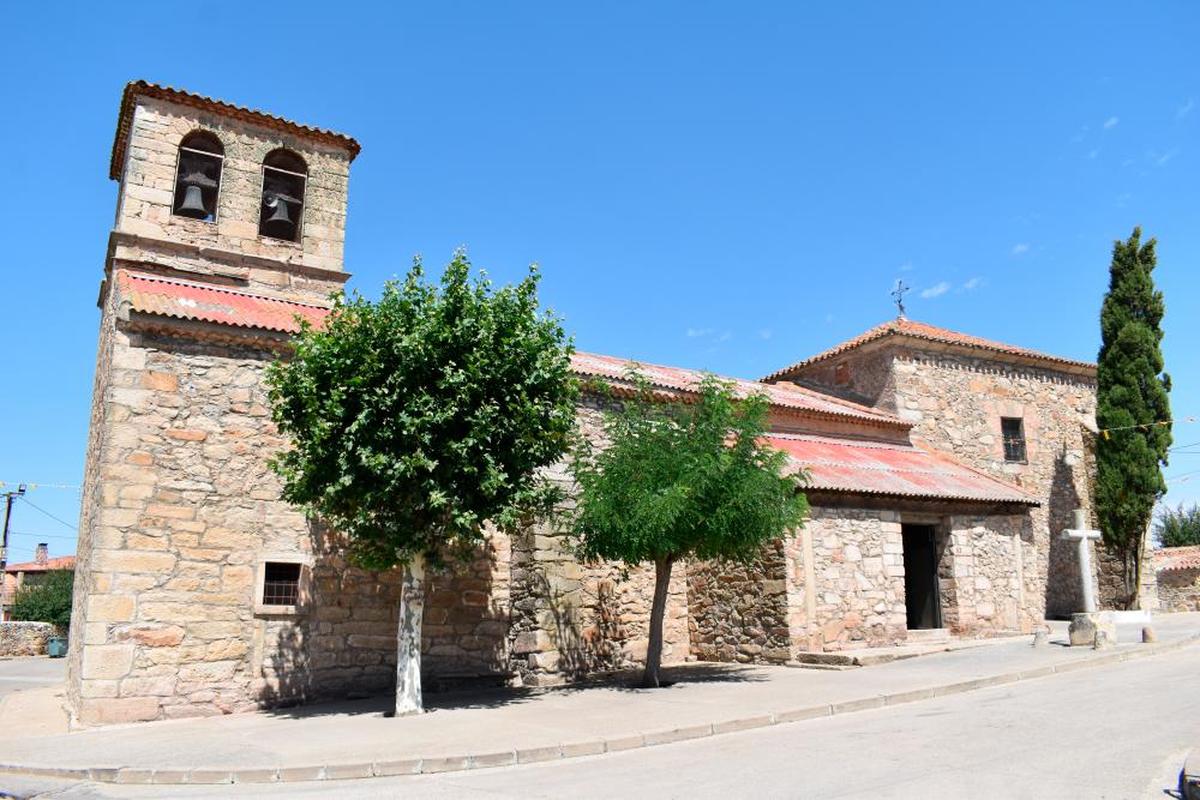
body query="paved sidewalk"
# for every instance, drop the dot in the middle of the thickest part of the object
(469, 731)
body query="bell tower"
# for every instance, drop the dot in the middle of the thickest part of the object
(229, 231)
(213, 191)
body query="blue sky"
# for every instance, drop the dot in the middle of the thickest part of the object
(725, 186)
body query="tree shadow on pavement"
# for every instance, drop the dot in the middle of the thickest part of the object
(461, 699)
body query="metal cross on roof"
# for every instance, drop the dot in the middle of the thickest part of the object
(898, 294)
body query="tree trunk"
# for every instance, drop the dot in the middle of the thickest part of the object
(662, 581)
(408, 639)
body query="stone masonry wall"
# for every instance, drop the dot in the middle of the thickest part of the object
(988, 575)
(1179, 589)
(148, 185)
(182, 510)
(847, 580)
(739, 613)
(25, 638)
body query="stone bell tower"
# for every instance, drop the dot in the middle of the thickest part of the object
(192, 573)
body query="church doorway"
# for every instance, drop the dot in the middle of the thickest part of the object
(921, 597)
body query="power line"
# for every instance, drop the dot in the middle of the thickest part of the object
(1104, 432)
(51, 516)
(44, 536)
(32, 486)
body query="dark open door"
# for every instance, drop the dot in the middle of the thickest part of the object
(920, 577)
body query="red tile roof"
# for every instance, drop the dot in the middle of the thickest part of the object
(894, 470)
(170, 297)
(60, 562)
(136, 89)
(1172, 558)
(784, 395)
(930, 333)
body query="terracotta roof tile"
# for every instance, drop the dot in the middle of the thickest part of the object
(931, 333)
(1173, 558)
(169, 297)
(783, 395)
(59, 562)
(894, 470)
(136, 89)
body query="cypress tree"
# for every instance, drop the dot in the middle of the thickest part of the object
(1132, 410)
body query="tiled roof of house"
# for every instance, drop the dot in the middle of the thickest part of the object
(930, 333)
(136, 89)
(893, 470)
(1172, 558)
(59, 562)
(170, 297)
(677, 379)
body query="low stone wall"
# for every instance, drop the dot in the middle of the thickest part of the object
(25, 638)
(1179, 589)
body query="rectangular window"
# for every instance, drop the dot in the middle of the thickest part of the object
(281, 584)
(1013, 430)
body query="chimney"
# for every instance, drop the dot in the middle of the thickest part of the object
(42, 554)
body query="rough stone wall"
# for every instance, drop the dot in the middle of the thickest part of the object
(955, 403)
(852, 595)
(741, 612)
(25, 638)
(185, 509)
(988, 575)
(1179, 589)
(148, 186)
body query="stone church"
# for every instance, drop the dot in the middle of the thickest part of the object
(939, 468)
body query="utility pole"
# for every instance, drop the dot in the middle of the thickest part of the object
(8, 503)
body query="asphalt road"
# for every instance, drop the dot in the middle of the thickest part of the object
(1111, 732)
(30, 673)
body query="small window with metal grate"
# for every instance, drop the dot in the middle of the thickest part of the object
(1013, 430)
(281, 584)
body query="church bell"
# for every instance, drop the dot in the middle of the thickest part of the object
(279, 215)
(193, 203)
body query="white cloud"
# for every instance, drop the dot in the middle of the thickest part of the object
(1161, 159)
(1186, 108)
(1095, 151)
(1020, 249)
(725, 337)
(829, 319)
(1111, 122)
(764, 333)
(972, 284)
(907, 266)
(936, 290)
(694, 333)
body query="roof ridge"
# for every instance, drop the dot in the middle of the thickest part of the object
(903, 326)
(245, 113)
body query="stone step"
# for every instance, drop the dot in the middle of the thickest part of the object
(929, 636)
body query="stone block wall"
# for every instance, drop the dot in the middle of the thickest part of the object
(1179, 589)
(25, 638)
(148, 186)
(740, 612)
(988, 575)
(852, 595)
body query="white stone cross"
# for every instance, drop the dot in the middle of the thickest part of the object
(1083, 535)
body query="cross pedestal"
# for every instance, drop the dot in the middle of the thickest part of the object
(1084, 626)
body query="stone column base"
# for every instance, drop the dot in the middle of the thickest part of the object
(1084, 627)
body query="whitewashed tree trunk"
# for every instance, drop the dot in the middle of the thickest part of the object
(408, 639)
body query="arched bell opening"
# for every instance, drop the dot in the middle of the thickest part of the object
(198, 176)
(282, 208)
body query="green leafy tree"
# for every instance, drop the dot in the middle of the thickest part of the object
(1178, 527)
(677, 479)
(47, 599)
(1132, 409)
(415, 418)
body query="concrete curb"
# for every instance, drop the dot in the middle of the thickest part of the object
(529, 755)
